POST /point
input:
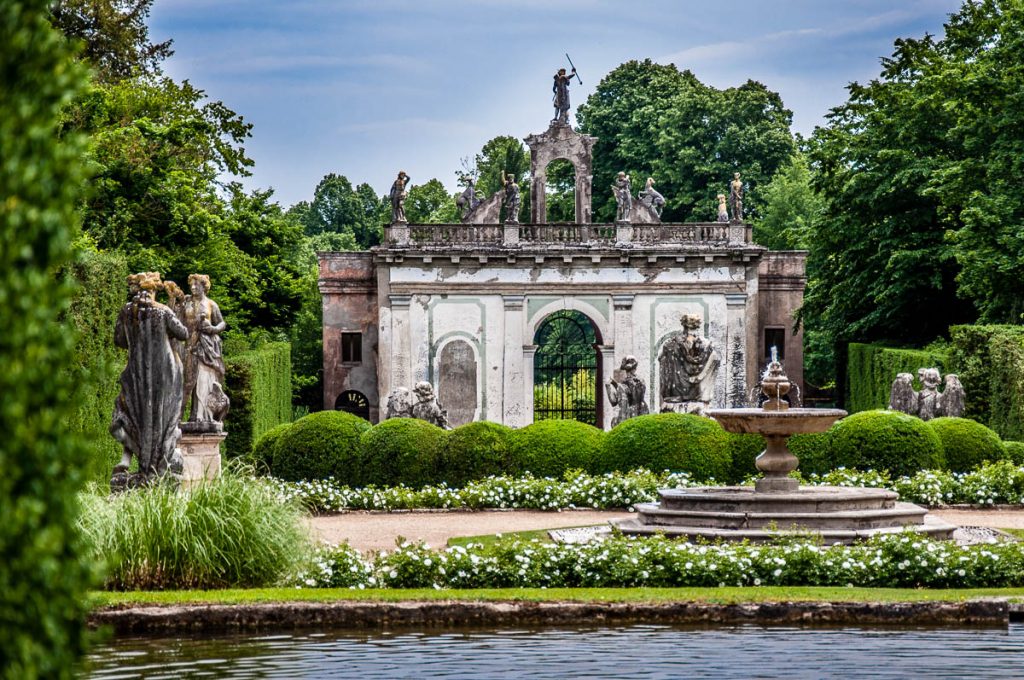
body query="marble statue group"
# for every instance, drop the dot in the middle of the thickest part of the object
(929, 402)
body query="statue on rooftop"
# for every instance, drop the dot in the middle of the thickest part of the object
(627, 392)
(688, 363)
(512, 200)
(623, 197)
(467, 200)
(651, 198)
(561, 97)
(723, 211)
(736, 197)
(398, 195)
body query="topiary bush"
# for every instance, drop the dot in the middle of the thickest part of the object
(744, 448)
(967, 444)
(669, 441)
(263, 448)
(474, 451)
(898, 443)
(320, 445)
(402, 451)
(548, 448)
(815, 453)
(1014, 452)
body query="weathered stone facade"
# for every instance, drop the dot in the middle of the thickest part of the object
(782, 282)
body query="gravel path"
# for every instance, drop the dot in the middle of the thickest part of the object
(997, 519)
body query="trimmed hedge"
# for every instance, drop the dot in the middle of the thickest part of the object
(548, 448)
(1014, 452)
(898, 443)
(320, 445)
(669, 441)
(264, 447)
(970, 357)
(815, 452)
(872, 368)
(402, 451)
(474, 451)
(259, 384)
(744, 449)
(967, 444)
(1006, 379)
(100, 279)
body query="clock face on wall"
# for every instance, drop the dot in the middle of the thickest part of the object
(354, 402)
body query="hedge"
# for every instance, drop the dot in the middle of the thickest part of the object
(548, 448)
(982, 375)
(401, 451)
(474, 451)
(967, 444)
(670, 441)
(1014, 452)
(101, 282)
(1006, 379)
(263, 449)
(43, 576)
(871, 370)
(259, 384)
(320, 445)
(898, 443)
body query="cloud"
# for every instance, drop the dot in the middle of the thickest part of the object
(408, 126)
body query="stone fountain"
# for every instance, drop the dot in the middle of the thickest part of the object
(777, 504)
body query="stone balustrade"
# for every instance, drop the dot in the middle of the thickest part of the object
(617, 235)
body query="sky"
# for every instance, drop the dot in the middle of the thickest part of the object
(365, 88)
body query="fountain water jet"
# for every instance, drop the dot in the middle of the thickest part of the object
(777, 505)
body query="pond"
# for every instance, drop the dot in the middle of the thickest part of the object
(646, 651)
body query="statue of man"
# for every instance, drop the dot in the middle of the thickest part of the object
(147, 409)
(467, 200)
(427, 407)
(627, 391)
(736, 197)
(398, 195)
(511, 198)
(688, 362)
(622, 190)
(650, 197)
(561, 98)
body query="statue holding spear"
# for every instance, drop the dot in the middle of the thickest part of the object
(561, 90)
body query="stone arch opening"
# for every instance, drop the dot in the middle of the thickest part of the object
(560, 191)
(567, 372)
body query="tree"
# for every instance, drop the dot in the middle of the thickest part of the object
(655, 121)
(114, 36)
(430, 203)
(43, 576)
(790, 207)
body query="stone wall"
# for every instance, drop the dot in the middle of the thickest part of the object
(783, 278)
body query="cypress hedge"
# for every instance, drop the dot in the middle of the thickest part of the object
(1006, 381)
(970, 357)
(43, 576)
(872, 368)
(259, 384)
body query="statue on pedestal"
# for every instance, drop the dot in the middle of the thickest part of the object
(204, 361)
(561, 97)
(651, 198)
(929, 402)
(623, 197)
(688, 363)
(512, 200)
(147, 410)
(723, 211)
(627, 392)
(467, 200)
(736, 197)
(421, 404)
(398, 195)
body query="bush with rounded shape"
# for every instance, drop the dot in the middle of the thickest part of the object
(814, 450)
(402, 451)
(320, 445)
(670, 441)
(474, 451)
(548, 448)
(1014, 452)
(898, 443)
(745, 448)
(262, 455)
(966, 443)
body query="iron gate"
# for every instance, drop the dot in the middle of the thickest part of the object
(565, 369)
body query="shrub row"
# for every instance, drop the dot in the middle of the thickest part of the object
(872, 368)
(259, 385)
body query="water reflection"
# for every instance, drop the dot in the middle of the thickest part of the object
(613, 652)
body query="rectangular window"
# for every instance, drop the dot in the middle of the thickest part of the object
(351, 348)
(774, 337)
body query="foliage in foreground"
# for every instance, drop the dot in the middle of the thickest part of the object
(232, 532)
(900, 560)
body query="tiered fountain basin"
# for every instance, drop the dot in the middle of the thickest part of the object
(777, 505)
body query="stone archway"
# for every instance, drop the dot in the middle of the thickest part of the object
(567, 369)
(560, 142)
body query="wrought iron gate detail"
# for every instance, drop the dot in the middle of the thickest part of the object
(565, 369)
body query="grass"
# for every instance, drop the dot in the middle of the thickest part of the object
(490, 539)
(1019, 533)
(635, 595)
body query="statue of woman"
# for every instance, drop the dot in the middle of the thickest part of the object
(204, 363)
(398, 195)
(622, 189)
(512, 200)
(723, 212)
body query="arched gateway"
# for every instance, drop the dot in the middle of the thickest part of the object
(567, 369)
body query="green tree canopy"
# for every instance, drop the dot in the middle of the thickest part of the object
(790, 207)
(656, 121)
(430, 203)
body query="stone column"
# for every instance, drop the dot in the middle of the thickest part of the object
(623, 320)
(514, 409)
(529, 352)
(607, 355)
(538, 197)
(401, 351)
(736, 352)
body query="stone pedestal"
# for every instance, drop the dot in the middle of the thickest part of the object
(200, 454)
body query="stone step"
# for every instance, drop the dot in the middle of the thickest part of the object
(932, 528)
(808, 499)
(898, 516)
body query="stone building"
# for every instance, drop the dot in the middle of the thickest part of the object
(462, 305)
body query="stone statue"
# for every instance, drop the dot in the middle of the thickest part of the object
(467, 201)
(511, 198)
(688, 363)
(399, 404)
(627, 392)
(723, 211)
(623, 197)
(650, 197)
(204, 362)
(561, 98)
(427, 407)
(736, 197)
(398, 195)
(929, 402)
(147, 410)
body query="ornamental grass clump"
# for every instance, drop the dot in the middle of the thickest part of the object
(233, 532)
